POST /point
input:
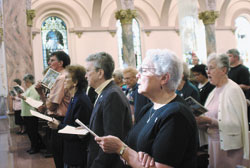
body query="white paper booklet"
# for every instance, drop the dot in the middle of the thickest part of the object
(33, 103)
(84, 126)
(50, 78)
(42, 116)
(73, 130)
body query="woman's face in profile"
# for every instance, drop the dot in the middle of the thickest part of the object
(214, 73)
(148, 82)
(68, 83)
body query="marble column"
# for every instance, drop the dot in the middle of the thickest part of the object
(208, 17)
(125, 17)
(17, 42)
(3, 74)
(17, 39)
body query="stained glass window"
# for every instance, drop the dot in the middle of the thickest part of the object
(136, 41)
(242, 34)
(54, 37)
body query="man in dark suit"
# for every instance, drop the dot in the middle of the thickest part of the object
(111, 114)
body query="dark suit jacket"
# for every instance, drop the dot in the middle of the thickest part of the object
(111, 116)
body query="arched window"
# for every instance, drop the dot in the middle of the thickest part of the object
(136, 41)
(54, 37)
(193, 37)
(242, 34)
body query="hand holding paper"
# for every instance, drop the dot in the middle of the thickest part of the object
(42, 116)
(33, 103)
(84, 126)
(73, 130)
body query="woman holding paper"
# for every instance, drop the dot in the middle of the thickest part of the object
(167, 131)
(30, 121)
(225, 123)
(80, 107)
(16, 101)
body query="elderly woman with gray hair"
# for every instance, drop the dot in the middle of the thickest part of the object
(225, 123)
(30, 121)
(166, 135)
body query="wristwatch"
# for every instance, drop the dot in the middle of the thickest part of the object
(122, 149)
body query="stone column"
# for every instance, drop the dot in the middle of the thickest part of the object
(208, 17)
(3, 74)
(126, 17)
(17, 41)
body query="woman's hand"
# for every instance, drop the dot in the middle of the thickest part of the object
(146, 160)
(203, 121)
(110, 144)
(54, 124)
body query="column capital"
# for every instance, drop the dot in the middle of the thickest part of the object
(208, 17)
(30, 16)
(125, 16)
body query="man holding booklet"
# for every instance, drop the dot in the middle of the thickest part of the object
(111, 114)
(57, 102)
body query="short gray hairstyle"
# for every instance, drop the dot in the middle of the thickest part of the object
(104, 61)
(165, 61)
(234, 52)
(29, 78)
(221, 60)
(118, 73)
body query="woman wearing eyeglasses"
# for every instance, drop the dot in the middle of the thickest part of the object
(166, 135)
(225, 123)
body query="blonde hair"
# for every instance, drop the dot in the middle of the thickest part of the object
(130, 70)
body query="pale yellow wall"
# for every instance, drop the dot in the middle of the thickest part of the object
(78, 15)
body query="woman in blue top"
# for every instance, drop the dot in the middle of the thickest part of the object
(80, 107)
(167, 131)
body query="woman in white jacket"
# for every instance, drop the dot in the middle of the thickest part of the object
(225, 123)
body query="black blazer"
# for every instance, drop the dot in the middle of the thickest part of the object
(111, 116)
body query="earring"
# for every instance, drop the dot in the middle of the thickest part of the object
(161, 87)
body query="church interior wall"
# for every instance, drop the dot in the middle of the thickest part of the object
(98, 31)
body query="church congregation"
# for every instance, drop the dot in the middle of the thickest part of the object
(104, 84)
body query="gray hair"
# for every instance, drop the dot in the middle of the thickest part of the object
(186, 71)
(221, 60)
(104, 61)
(118, 73)
(29, 78)
(165, 61)
(234, 52)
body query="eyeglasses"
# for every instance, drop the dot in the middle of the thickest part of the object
(145, 70)
(209, 68)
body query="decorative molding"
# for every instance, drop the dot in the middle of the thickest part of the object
(78, 33)
(35, 32)
(125, 16)
(1, 35)
(113, 33)
(30, 16)
(148, 32)
(208, 17)
(177, 31)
